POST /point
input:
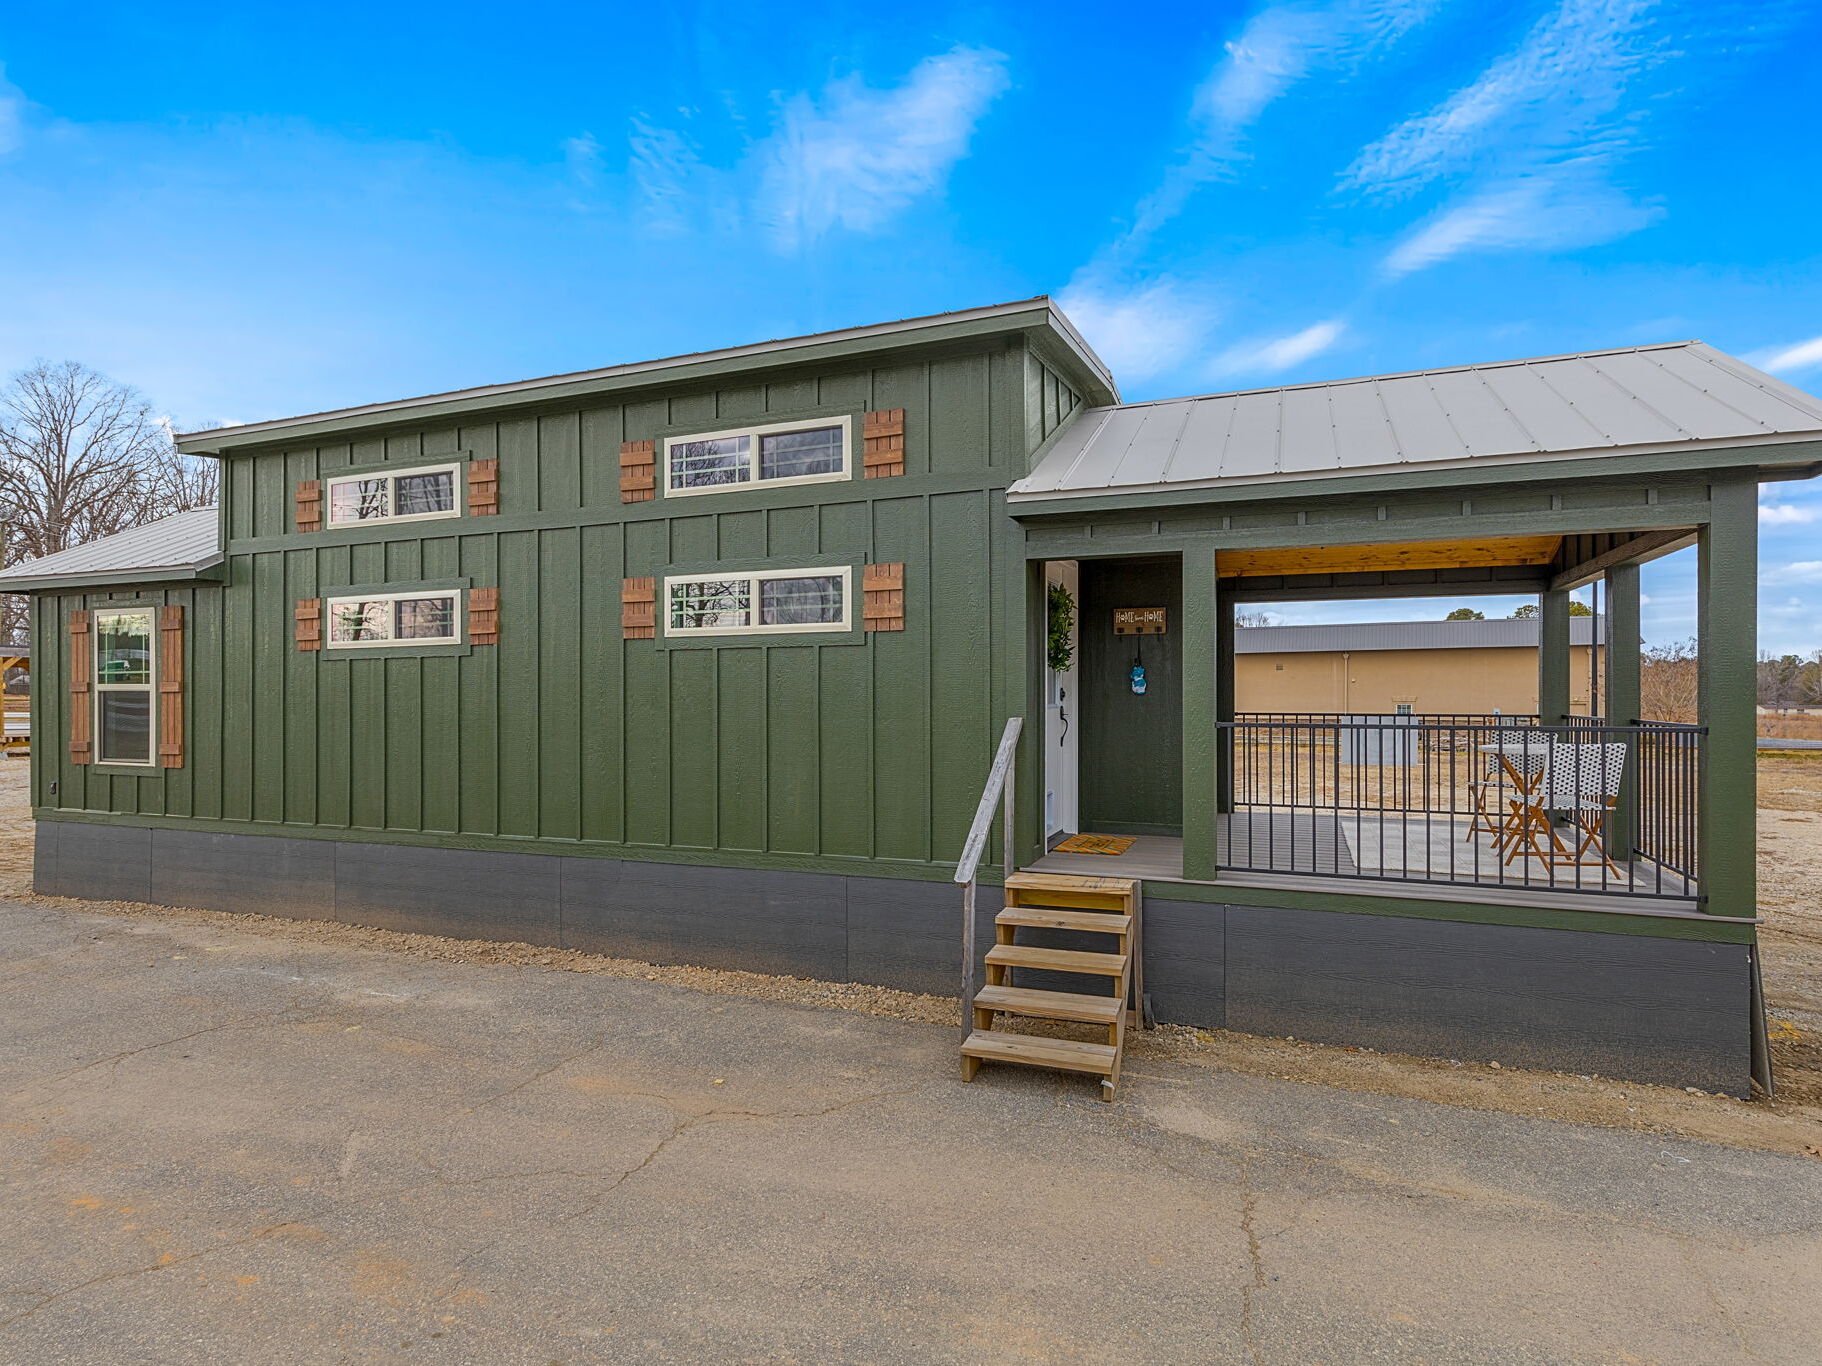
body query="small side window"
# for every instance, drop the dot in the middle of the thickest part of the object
(406, 495)
(785, 453)
(394, 619)
(769, 602)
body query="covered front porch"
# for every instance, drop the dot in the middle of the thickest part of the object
(1158, 524)
(1548, 806)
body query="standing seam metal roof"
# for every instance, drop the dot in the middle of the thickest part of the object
(186, 541)
(1677, 394)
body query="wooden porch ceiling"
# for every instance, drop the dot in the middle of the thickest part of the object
(1482, 553)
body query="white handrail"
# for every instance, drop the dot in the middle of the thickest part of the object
(976, 843)
(998, 786)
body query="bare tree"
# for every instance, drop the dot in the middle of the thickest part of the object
(1668, 682)
(82, 457)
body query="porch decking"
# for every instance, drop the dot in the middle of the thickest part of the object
(1389, 854)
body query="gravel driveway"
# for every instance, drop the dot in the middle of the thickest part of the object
(222, 1147)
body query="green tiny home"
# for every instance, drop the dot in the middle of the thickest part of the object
(706, 659)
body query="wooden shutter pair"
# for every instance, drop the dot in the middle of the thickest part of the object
(170, 687)
(483, 619)
(882, 441)
(882, 587)
(483, 495)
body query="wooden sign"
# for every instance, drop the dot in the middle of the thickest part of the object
(1138, 621)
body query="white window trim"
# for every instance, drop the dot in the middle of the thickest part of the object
(392, 476)
(149, 687)
(458, 621)
(846, 424)
(755, 577)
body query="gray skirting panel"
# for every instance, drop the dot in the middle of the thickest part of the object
(1663, 1010)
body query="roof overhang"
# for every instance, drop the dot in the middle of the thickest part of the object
(1776, 458)
(202, 571)
(1038, 317)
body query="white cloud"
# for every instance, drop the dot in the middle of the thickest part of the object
(1533, 142)
(1143, 330)
(673, 189)
(1797, 356)
(1552, 210)
(1278, 47)
(1569, 72)
(1798, 571)
(12, 114)
(1785, 514)
(1282, 353)
(853, 156)
(583, 156)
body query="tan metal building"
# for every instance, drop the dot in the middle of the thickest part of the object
(1424, 667)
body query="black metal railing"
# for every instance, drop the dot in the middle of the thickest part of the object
(1478, 800)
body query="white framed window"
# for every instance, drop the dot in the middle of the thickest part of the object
(126, 668)
(765, 602)
(376, 619)
(741, 457)
(395, 496)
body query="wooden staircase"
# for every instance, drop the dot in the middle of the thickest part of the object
(1052, 901)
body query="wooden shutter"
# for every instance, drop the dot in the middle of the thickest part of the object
(884, 588)
(82, 668)
(638, 471)
(307, 624)
(883, 435)
(483, 488)
(309, 505)
(638, 609)
(484, 615)
(170, 687)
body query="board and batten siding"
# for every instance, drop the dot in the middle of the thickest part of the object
(780, 750)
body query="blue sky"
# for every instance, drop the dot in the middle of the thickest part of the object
(252, 211)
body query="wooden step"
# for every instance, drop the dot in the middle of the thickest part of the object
(1057, 960)
(1070, 889)
(1053, 918)
(1050, 1005)
(1073, 882)
(1099, 1058)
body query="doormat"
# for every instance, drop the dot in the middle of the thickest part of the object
(1095, 844)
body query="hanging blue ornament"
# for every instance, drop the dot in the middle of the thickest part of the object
(1137, 678)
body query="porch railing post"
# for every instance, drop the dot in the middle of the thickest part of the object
(1623, 689)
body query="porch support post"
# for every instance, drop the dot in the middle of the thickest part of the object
(1624, 680)
(1203, 762)
(1224, 688)
(1552, 658)
(1727, 588)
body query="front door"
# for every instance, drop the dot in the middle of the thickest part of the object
(1062, 710)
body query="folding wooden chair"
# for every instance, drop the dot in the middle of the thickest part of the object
(1583, 782)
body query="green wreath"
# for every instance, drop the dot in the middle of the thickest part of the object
(1060, 649)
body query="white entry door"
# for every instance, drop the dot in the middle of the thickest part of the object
(1062, 714)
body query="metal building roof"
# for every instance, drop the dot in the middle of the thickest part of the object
(175, 547)
(1505, 633)
(1037, 311)
(1679, 395)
